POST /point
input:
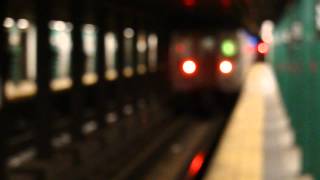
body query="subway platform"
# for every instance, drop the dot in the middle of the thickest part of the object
(259, 142)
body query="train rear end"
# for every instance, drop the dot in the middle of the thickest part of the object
(207, 69)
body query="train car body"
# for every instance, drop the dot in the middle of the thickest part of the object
(204, 65)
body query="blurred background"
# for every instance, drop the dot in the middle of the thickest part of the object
(162, 89)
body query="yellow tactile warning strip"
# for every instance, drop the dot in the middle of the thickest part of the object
(239, 156)
(258, 142)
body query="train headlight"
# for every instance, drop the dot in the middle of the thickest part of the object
(226, 67)
(189, 67)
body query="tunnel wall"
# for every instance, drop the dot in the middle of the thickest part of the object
(295, 56)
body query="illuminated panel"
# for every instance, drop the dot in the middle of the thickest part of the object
(111, 47)
(153, 52)
(128, 34)
(21, 35)
(61, 44)
(142, 53)
(89, 36)
(267, 31)
(228, 48)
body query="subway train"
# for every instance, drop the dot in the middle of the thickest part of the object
(206, 66)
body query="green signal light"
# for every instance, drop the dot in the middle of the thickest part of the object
(228, 48)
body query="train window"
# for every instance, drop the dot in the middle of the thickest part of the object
(128, 34)
(153, 52)
(111, 47)
(208, 43)
(21, 40)
(89, 36)
(142, 50)
(61, 44)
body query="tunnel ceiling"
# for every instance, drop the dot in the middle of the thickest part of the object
(212, 13)
(196, 14)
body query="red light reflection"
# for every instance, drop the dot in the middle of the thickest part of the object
(196, 164)
(226, 3)
(189, 3)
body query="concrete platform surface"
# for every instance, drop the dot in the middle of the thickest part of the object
(259, 142)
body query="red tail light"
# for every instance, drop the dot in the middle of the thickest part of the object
(263, 48)
(226, 67)
(189, 67)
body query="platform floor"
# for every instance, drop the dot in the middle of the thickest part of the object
(259, 142)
